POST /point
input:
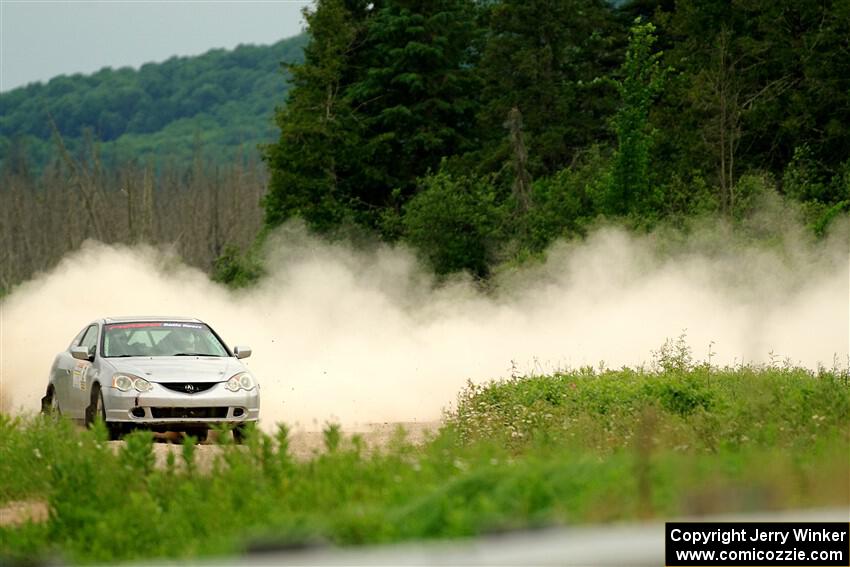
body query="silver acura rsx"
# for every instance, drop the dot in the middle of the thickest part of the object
(159, 373)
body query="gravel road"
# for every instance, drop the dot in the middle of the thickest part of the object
(303, 444)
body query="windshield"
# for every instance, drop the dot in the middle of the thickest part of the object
(161, 339)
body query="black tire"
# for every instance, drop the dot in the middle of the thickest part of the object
(92, 407)
(49, 403)
(200, 435)
(95, 408)
(240, 432)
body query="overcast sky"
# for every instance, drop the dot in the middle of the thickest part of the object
(42, 39)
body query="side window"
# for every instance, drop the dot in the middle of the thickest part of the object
(89, 340)
(79, 337)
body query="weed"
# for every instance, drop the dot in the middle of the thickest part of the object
(577, 446)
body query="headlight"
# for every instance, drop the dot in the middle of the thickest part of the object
(241, 381)
(125, 382)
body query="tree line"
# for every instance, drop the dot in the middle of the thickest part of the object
(203, 212)
(477, 132)
(224, 97)
(481, 131)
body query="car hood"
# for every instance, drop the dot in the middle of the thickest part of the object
(180, 368)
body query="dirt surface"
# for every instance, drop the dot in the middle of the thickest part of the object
(22, 511)
(303, 444)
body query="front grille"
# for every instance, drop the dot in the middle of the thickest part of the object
(189, 387)
(184, 413)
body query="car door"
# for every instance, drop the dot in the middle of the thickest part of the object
(61, 375)
(79, 394)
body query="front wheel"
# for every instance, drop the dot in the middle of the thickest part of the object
(97, 408)
(240, 433)
(200, 435)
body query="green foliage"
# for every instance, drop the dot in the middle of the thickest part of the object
(577, 446)
(235, 269)
(749, 193)
(332, 435)
(417, 99)
(806, 180)
(155, 111)
(311, 162)
(823, 199)
(629, 187)
(756, 82)
(562, 202)
(822, 218)
(698, 407)
(455, 222)
(673, 355)
(548, 60)
(383, 94)
(802, 178)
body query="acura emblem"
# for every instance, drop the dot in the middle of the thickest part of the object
(190, 388)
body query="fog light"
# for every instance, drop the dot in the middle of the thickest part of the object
(238, 412)
(138, 412)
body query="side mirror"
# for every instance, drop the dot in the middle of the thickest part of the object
(80, 353)
(242, 351)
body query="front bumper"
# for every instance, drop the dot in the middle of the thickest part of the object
(162, 406)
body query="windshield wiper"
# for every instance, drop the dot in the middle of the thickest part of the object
(122, 355)
(193, 354)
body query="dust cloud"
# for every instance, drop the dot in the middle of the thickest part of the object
(368, 336)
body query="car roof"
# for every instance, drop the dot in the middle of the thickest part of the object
(142, 318)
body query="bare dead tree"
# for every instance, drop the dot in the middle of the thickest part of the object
(82, 178)
(522, 179)
(720, 91)
(196, 211)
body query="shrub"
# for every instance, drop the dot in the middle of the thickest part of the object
(455, 223)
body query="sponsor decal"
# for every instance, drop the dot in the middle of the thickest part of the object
(77, 374)
(160, 324)
(80, 375)
(133, 325)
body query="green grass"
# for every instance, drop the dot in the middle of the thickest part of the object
(574, 447)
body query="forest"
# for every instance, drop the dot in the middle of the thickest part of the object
(479, 132)
(476, 132)
(221, 100)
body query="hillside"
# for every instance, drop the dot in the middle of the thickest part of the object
(222, 99)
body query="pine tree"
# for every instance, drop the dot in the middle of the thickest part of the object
(546, 58)
(629, 189)
(417, 99)
(311, 161)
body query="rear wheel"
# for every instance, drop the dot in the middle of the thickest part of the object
(50, 404)
(97, 408)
